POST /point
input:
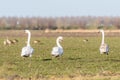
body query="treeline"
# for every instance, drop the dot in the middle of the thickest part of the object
(42, 23)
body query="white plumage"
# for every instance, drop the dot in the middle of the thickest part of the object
(27, 51)
(104, 48)
(58, 50)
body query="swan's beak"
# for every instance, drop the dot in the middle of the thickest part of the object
(98, 31)
(25, 31)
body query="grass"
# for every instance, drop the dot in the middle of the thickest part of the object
(79, 58)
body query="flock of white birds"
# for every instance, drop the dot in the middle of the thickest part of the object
(27, 51)
(57, 51)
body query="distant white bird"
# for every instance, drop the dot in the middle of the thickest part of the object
(36, 41)
(85, 40)
(27, 51)
(14, 40)
(8, 42)
(104, 48)
(58, 50)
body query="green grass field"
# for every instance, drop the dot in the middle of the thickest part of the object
(79, 58)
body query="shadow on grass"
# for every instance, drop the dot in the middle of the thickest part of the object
(46, 59)
(112, 60)
(115, 60)
(82, 60)
(100, 60)
(74, 58)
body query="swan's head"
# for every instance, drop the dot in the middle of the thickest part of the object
(60, 38)
(27, 31)
(101, 30)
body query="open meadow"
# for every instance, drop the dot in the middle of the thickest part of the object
(80, 60)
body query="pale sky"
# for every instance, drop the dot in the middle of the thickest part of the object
(57, 8)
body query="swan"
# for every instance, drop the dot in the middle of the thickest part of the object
(58, 50)
(27, 51)
(104, 48)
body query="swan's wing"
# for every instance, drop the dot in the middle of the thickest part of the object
(57, 51)
(107, 48)
(104, 48)
(60, 51)
(27, 51)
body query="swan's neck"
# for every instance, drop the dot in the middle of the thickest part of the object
(28, 41)
(102, 37)
(58, 44)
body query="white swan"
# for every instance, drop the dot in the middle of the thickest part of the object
(58, 50)
(104, 48)
(27, 51)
